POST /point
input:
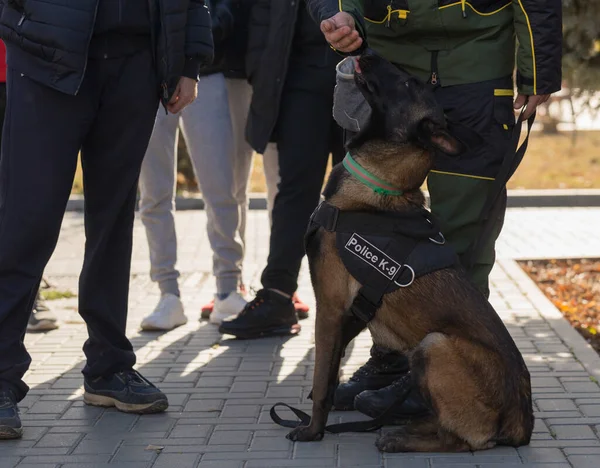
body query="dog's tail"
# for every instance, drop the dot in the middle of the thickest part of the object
(517, 423)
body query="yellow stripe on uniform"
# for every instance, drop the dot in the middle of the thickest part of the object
(463, 175)
(504, 92)
(474, 9)
(532, 47)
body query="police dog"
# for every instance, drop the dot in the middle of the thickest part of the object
(463, 361)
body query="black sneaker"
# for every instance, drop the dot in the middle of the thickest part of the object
(375, 403)
(268, 314)
(41, 319)
(10, 421)
(128, 391)
(383, 368)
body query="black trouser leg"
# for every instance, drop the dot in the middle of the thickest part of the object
(43, 132)
(112, 155)
(2, 106)
(304, 140)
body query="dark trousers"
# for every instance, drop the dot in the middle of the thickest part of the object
(305, 134)
(110, 121)
(2, 106)
(459, 186)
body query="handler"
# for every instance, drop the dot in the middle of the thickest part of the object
(466, 52)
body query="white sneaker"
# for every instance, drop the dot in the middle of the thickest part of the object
(167, 314)
(228, 307)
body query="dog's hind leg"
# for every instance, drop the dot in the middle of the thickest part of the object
(421, 435)
(451, 375)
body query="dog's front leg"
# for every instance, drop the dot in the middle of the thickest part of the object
(329, 346)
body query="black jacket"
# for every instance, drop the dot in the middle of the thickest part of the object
(282, 35)
(48, 40)
(230, 35)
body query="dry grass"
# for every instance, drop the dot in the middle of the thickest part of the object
(560, 161)
(552, 161)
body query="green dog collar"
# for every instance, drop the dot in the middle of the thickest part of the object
(368, 179)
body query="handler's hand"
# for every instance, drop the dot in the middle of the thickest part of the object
(185, 93)
(531, 103)
(340, 31)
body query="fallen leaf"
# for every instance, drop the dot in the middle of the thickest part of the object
(155, 448)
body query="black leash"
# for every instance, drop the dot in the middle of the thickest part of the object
(493, 206)
(352, 426)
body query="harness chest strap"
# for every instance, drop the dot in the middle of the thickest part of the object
(383, 251)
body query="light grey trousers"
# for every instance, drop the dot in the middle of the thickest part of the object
(213, 128)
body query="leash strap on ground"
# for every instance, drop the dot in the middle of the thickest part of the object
(511, 162)
(352, 426)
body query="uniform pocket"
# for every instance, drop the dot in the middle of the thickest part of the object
(504, 114)
(386, 11)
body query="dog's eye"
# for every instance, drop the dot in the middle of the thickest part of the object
(407, 84)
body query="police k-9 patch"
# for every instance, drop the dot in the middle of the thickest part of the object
(372, 256)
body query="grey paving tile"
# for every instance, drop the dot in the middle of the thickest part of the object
(584, 461)
(220, 437)
(356, 455)
(183, 460)
(42, 465)
(204, 405)
(9, 462)
(285, 462)
(556, 405)
(88, 413)
(190, 431)
(134, 454)
(270, 443)
(48, 407)
(58, 440)
(220, 464)
(240, 411)
(573, 432)
(113, 421)
(545, 455)
(105, 445)
(322, 449)
(406, 463)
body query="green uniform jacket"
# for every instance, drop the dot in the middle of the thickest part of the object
(449, 42)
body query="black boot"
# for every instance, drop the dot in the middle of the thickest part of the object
(268, 314)
(383, 368)
(375, 403)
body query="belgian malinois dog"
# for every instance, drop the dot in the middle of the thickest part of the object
(463, 361)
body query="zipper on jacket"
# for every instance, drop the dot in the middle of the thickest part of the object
(164, 85)
(22, 20)
(152, 14)
(389, 15)
(87, 50)
(434, 80)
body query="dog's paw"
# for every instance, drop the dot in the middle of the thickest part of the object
(389, 443)
(305, 434)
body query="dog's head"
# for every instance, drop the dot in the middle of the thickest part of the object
(404, 109)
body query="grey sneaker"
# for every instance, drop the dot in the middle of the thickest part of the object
(41, 319)
(10, 422)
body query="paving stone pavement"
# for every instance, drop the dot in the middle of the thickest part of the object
(221, 390)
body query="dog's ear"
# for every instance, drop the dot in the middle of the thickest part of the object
(431, 134)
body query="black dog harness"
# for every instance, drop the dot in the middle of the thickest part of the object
(383, 251)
